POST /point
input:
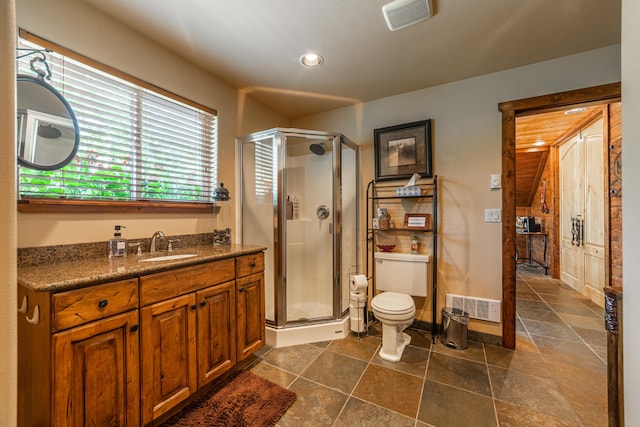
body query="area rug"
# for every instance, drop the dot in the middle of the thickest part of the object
(244, 399)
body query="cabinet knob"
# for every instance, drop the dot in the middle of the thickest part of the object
(103, 303)
(203, 303)
(134, 328)
(253, 264)
(241, 290)
(194, 306)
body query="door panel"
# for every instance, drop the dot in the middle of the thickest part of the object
(216, 331)
(582, 193)
(250, 305)
(96, 368)
(168, 355)
(571, 184)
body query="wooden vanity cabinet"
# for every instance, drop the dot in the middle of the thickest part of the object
(127, 352)
(250, 304)
(188, 340)
(78, 356)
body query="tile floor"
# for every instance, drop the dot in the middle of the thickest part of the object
(555, 377)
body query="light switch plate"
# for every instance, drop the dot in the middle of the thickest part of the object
(492, 215)
(495, 182)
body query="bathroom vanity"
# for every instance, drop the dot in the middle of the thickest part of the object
(123, 344)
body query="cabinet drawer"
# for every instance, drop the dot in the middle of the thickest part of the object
(169, 284)
(73, 308)
(247, 265)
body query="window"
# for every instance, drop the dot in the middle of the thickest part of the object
(136, 144)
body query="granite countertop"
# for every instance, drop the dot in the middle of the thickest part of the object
(60, 276)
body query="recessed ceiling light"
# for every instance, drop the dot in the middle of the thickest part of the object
(311, 60)
(539, 143)
(575, 111)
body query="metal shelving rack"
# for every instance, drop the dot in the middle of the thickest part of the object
(377, 192)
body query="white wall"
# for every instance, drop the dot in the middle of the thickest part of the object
(106, 41)
(630, 207)
(467, 136)
(8, 289)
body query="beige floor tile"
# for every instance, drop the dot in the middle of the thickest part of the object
(358, 413)
(443, 405)
(414, 361)
(293, 359)
(362, 348)
(474, 351)
(315, 405)
(461, 373)
(390, 389)
(517, 416)
(273, 374)
(536, 393)
(335, 371)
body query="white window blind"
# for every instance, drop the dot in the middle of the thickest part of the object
(264, 170)
(135, 144)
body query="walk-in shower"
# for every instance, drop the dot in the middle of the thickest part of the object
(312, 247)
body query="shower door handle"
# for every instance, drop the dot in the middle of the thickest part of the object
(322, 212)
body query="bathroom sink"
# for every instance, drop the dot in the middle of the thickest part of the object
(168, 257)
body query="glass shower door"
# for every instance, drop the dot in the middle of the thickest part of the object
(309, 266)
(348, 229)
(257, 207)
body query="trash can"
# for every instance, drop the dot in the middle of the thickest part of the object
(455, 323)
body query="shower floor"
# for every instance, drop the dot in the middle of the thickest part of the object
(310, 310)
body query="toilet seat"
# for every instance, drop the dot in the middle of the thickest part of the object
(393, 303)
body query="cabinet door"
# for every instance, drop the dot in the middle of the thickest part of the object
(251, 323)
(96, 373)
(168, 355)
(216, 320)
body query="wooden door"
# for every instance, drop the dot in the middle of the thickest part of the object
(251, 314)
(216, 324)
(571, 209)
(168, 358)
(582, 212)
(96, 373)
(594, 213)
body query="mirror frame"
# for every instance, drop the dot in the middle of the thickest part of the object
(67, 160)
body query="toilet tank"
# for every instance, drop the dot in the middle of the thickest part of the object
(404, 273)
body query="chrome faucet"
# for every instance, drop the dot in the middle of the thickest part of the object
(156, 235)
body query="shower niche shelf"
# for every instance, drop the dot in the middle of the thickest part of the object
(425, 205)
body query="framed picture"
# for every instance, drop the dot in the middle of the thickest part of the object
(402, 150)
(417, 221)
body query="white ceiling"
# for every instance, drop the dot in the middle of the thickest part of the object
(255, 44)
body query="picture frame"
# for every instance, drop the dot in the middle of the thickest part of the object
(403, 150)
(417, 221)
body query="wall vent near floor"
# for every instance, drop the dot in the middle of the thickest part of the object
(478, 308)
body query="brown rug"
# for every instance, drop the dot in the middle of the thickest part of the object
(244, 399)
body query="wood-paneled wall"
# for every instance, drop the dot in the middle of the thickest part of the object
(615, 194)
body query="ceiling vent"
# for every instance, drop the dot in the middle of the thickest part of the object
(403, 13)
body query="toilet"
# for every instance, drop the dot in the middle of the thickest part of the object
(400, 276)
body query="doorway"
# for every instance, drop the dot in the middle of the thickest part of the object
(510, 110)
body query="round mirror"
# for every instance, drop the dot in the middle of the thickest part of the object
(48, 134)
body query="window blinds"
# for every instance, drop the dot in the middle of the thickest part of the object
(134, 144)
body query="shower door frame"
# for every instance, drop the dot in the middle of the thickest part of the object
(279, 137)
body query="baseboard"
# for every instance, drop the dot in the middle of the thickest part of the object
(471, 335)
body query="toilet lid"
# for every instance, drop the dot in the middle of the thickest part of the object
(392, 302)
